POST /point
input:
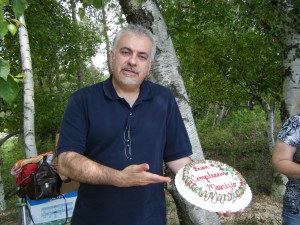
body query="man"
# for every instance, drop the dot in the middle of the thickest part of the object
(115, 136)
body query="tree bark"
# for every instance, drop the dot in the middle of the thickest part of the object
(28, 127)
(77, 47)
(106, 38)
(2, 201)
(291, 85)
(291, 90)
(166, 71)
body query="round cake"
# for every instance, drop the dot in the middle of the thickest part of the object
(213, 185)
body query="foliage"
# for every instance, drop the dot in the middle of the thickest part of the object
(52, 36)
(240, 141)
(226, 57)
(11, 115)
(10, 153)
(9, 87)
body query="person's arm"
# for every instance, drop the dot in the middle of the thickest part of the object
(282, 160)
(176, 165)
(80, 168)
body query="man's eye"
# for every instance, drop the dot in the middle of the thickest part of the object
(143, 57)
(125, 52)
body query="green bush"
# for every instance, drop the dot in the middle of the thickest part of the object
(240, 141)
(11, 151)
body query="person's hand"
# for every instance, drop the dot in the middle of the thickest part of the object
(228, 213)
(137, 175)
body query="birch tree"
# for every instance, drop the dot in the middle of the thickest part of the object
(166, 71)
(2, 201)
(291, 85)
(28, 98)
(78, 46)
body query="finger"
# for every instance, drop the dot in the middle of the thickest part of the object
(154, 178)
(145, 166)
(239, 212)
(228, 213)
(220, 213)
(138, 168)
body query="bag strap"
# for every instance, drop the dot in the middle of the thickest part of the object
(29, 213)
(26, 178)
(45, 159)
(13, 191)
(67, 216)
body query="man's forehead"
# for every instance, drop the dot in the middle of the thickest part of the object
(135, 42)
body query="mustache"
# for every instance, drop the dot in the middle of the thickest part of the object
(130, 68)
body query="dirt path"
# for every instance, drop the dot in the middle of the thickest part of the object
(262, 211)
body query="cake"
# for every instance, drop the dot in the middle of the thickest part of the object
(213, 185)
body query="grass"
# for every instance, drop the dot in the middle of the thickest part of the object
(10, 152)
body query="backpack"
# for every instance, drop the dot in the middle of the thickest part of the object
(45, 182)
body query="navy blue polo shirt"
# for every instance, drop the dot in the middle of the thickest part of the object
(95, 123)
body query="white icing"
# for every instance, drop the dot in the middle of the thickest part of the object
(218, 186)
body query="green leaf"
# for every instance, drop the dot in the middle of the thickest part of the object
(4, 2)
(19, 77)
(19, 7)
(1, 12)
(4, 69)
(81, 13)
(89, 2)
(98, 4)
(9, 89)
(17, 22)
(3, 28)
(12, 29)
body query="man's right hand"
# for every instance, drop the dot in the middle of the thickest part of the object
(138, 175)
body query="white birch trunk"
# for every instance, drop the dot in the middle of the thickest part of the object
(77, 46)
(2, 201)
(291, 92)
(291, 85)
(270, 113)
(291, 95)
(28, 126)
(166, 71)
(279, 180)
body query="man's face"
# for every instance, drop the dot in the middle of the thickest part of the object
(131, 60)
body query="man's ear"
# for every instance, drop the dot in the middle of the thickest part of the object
(111, 55)
(150, 65)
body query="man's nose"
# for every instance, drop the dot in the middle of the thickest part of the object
(132, 59)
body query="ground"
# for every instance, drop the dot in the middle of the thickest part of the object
(262, 211)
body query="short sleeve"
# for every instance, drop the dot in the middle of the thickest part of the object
(74, 126)
(290, 131)
(178, 143)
